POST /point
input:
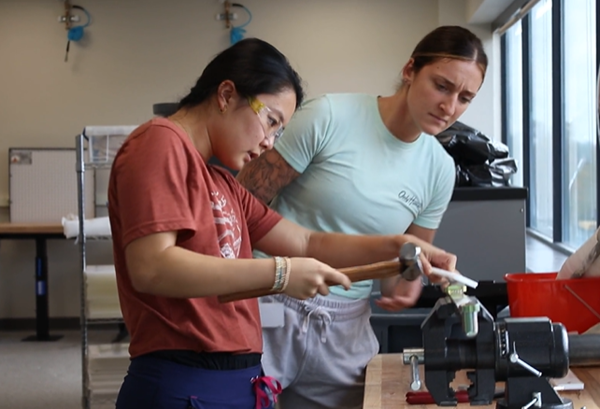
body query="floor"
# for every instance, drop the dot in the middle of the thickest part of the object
(41, 375)
(48, 374)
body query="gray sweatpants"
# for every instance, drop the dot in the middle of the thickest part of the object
(321, 353)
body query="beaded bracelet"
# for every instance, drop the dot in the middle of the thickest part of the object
(288, 270)
(280, 267)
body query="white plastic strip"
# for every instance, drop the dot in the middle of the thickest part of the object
(454, 277)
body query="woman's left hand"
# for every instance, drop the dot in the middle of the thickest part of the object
(403, 294)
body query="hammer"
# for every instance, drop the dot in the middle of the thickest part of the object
(408, 265)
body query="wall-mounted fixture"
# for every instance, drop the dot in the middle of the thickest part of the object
(74, 33)
(226, 15)
(237, 32)
(67, 18)
(72, 19)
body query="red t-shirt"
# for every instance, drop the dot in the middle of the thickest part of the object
(159, 182)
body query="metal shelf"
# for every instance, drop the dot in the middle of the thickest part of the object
(96, 148)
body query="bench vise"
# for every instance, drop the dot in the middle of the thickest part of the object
(460, 334)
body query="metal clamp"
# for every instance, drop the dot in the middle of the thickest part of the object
(468, 306)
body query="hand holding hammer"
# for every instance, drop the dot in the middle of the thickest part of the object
(408, 265)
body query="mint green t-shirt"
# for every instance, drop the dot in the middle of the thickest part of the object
(356, 177)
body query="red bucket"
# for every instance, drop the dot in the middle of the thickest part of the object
(575, 302)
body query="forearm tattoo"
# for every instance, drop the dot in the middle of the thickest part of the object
(266, 175)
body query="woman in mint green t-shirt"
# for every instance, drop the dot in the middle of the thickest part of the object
(362, 164)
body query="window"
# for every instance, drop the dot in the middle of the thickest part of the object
(550, 68)
(579, 147)
(540, 157)
(514, 99)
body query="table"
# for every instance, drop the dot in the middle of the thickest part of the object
(40, 233)
(388, 381)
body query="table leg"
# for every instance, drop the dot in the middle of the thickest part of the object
(42, 326)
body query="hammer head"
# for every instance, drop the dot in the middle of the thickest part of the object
(410, 262)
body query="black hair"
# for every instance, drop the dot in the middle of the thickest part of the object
(452, 42)
(254, 66)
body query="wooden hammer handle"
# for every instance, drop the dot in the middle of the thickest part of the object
(373, 271)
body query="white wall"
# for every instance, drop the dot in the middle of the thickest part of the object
(484, 112)
(138, 53)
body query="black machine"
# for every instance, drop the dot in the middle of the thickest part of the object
(460, 333)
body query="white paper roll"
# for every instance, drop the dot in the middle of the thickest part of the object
(97, 227)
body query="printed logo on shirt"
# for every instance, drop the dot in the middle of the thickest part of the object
(228, 229)
(411, 201)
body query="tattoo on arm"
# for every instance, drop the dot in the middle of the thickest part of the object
(266, 175)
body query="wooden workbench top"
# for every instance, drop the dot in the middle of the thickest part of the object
(388, 381)
(31, 228)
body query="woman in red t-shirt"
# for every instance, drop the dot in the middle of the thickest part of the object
(183, 233)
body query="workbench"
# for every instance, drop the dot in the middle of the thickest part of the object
(388, 380)
(39, 233)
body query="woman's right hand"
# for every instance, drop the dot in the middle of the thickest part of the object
(309, 277)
